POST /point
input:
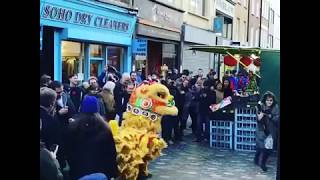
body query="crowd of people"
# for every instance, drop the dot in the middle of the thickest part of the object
(73, 116)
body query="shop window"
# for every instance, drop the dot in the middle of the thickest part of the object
(96, 51)
(114, 56)
(72, 60)
(169, 55)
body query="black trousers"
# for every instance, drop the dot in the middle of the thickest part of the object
(203, 118)
(180, 125)
(265, 153)
(194, 118)
(169, 124)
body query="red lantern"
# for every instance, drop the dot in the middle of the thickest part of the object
(246, 60)
(257, 62)
(229, 61)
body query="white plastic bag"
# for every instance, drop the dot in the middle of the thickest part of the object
(268, 142)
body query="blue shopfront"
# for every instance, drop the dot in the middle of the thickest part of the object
(81, 37)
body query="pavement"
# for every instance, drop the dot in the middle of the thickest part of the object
(189, 160)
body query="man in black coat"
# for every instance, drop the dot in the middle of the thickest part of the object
(168, 122)
(64, 106)
(75, 92)
(50, 126)
(207, 97)
(52, 130)
(64, 111)
(180, 104)
(196, 77)
(121, 95)
(49, 166)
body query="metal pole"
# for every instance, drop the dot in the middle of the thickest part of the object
(181, 47)
(248, 27)
(260, 23)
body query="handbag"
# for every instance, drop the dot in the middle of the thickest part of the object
(268, 142)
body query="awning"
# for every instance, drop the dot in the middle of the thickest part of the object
(245, 51)
(227, 49)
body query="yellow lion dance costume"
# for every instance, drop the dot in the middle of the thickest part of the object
(137, 140)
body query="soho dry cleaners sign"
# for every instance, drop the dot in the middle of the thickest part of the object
(71, 16)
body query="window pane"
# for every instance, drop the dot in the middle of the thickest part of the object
(95, 51)
(196, 6)
(72, 59)
(114, 56)
(169, 55)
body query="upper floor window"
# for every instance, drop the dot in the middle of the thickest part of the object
(197, 7)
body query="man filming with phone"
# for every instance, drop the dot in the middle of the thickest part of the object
(65, 109)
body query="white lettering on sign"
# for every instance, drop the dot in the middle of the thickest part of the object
(225, 7)
(71, 16)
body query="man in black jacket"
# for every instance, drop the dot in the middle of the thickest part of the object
(180, 104)
(65, 110)
(121, 95)
(207, 97)
(169, 123)
(50, 126)
(49, 166)
(64, 106)
(197, 77)
(76, 93)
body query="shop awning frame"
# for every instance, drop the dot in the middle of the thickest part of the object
(231, 50)
(227, 49)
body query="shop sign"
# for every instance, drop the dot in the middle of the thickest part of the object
(77, 17)
(157, 32)
(159, 14)
(225, 7)
(139, 47)
(218, 24)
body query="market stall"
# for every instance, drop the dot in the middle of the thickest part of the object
(233, 126)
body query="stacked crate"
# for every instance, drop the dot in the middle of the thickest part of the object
(245, 129)
(221, 134)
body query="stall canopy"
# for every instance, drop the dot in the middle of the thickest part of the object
(245, 51)
(232, 50)
(270, 71)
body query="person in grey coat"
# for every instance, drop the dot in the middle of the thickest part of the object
(267, 124)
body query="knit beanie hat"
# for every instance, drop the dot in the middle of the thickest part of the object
(89, 105)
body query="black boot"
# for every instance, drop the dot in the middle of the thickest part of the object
(257, 157)
(265, 156)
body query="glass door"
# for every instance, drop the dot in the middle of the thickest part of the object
(95, 68)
